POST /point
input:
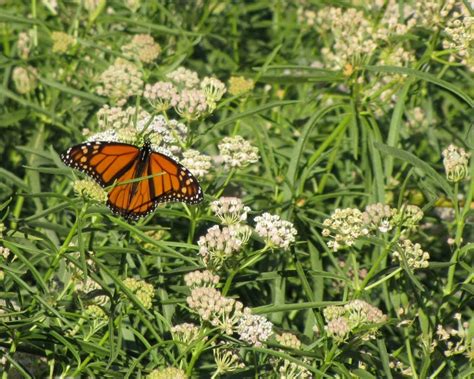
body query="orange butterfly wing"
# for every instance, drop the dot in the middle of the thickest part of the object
(160, 177)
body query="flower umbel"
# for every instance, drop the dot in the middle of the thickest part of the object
(185, 333)
(343, 320)
(199, 164)
(142, 47)
(161, 95)
(184, 78)
(24, 79)
(379, 217)
(223, 313)
(254, 329)
(167, 373)
(218, 245)
(230, 210)
(143, 291)
(90, 189)
(120, 81)
(456, 162)
(227, 360)
(198, 279)
(236, 152)
(412, 254)
(275, 231)
(344, 226)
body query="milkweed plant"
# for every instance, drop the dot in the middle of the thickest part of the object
(333, 143)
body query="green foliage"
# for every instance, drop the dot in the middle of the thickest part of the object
(337, 125)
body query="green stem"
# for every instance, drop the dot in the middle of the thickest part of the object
(459, 220)
(65, 245)
(227, 180)
(384, 279)
(379, 260)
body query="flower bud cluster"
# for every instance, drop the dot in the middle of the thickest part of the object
(24, 45)
(221, 312)
(379, 217)
(344, 227)
(142, 290)
(142, 47)
(288, 340)
(204, 278)
(199, 164)
(236, 152)
(456, 163)
(90, 189)
(167, 373)
(230, 210)
(62, 42)
(238, 85)
(185, 333)
(254, 329)
(219, 245)
(25, 79)
(343, 320)
(275, 231)
(412, 254)
(120, 81)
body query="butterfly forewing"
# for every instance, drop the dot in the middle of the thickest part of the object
(119, 165)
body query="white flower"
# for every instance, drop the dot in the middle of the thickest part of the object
(230, 210)
(274, 231)
(120, 81)
(199, 164)
(161, 95)
(236, 152)
(218, 245)
(456, 162)
(344, 227)
(254, 329)
(412, 254)
(184, 78)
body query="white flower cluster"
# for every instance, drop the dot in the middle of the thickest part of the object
(345, 319)
(254, 329)
(166, 135)
(219, 245)
(222, 312)
(236, 152)
(142, 47)
(344, 227)
(25, 79)
(204, 278)
(185, 333)
(184, 92)
(379, 217)
(230, 210)
(412, 254)
(456, 340)
(161, 95)
(199, 164)
(456, 163)
(275, 231)
(227, 360)
(120, 81)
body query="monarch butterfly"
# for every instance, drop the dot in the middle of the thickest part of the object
(140, 178)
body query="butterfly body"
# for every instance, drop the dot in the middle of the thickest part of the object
(139, 178)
